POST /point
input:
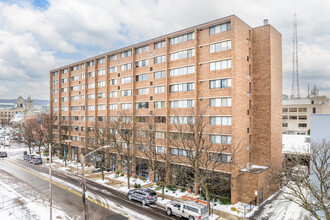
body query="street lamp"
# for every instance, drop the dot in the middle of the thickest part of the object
(84, 182)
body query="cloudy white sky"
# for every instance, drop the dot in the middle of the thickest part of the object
(37, 35)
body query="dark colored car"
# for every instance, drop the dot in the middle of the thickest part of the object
(3, 154)
(144, 195)
(37, 161)
(30, 158)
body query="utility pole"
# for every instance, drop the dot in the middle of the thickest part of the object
(50, 182)
(84, 187)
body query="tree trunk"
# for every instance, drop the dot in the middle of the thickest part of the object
(102, 172)
(163, 189)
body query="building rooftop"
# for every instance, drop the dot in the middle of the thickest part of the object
(295, 144)
(296, 102)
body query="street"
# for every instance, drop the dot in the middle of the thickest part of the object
(105, 203)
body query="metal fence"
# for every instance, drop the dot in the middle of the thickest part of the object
(248, 207)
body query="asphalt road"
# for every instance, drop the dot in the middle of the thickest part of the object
(68, 197)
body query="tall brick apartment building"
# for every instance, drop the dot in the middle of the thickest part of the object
(234, 69)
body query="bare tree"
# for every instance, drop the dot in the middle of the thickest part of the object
(63, 129)
(39, 134)
(157, 158)
(100, 137)
(307, 179)
(50, 123)
(196, 148)
(121, 137)
(28, 131)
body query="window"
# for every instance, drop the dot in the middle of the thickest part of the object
(293, 117)
(126, 53)
(284, 110)
(142, 77)
(284, 117)
(159, 45)
(142, 91)
(125, 106)
(74, 88)
(182, 120)
(160, 59)
(82, 86)
(127, 79)
(220, 46)
(82, 108)
(159, 89)
(64, 80)
(101, 60)
(142, 119)
(64, 89)
(284, 125)
(74, 128)
(101, 95)
(225, 158)
(126, 66)
(65, 71)
(64, 99)
(90, 63)
(292, 109)
(82, 118)
(220, 65)
(182, 38)
(159, 74)
(160, 134)
(55, 82)
(159, 104)
(55, 73)
(112, 94)
(182, 71)
(82, 97)
(101, 83)
(182, 54)
(220, 139)
(182, 152)
(302, 117)
(74, 118)
(220, 28)
(113, 57)
(142, 105)
(220, 83)
(82, 66)
(142, 63)
(220, 102)
(55, 109)
(91, 107)
(90, 74)
(302, 109)
(90, 118)
(142, 49)
(113, 82)
(101, 107)
(91, 96)
(101, 72)
(55, 91)
(113, 118)
(160, 149)
(182, 104)
(112, 106)
(74, 78)
(220, 120)
(64, 108)
(126, 93)
(183, 87)
(302, 125)
(314, 110)
(160, 119)
(55, 99)
(113, 69)
(74, 138)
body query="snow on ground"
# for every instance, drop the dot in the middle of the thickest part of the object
(16, 206)
(236, 209)
(295, 144)
(123, 178)
(279, 208)
(176, 194)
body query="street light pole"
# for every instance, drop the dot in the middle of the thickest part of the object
(84, 188)
(50, 183)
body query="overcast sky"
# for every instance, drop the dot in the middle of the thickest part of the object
(37, 36)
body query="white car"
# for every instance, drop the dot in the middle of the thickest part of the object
(188, 209)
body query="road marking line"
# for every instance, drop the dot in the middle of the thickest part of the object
(70, 190)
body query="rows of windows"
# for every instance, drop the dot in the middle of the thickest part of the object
(142, 63)
(142, 49)
(182, 71)
(220, 28)
(220, 65)
(160, 59)
(126, 66)
(226, 45)
(182, 38)
(142, 77)
(220, 83)
(182, 87)
(182, 54)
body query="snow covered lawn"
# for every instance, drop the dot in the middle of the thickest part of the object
(123, 178)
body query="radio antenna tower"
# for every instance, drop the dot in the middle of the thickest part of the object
(295, 94)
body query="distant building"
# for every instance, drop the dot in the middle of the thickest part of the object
(9, 110)
(297, 112)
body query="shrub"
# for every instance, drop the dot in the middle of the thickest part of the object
(182, 190)
(172, 188)
(137, 185)
(116, 175)
(122, 174)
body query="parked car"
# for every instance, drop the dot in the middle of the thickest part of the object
(3, 154)
(144, 195)
(37, 161)
(30, 158)
(187, 209)
(25, 157)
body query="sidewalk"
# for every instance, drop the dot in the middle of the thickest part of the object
(118, 181)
